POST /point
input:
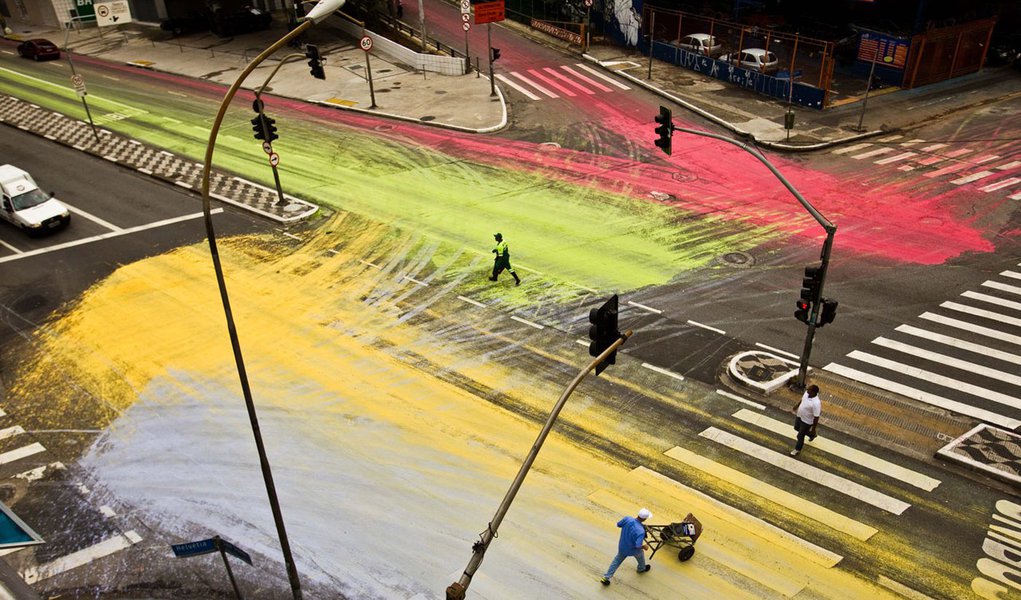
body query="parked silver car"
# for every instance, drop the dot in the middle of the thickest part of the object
(754, 59)
(702, 43)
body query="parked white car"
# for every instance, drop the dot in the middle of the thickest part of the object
(701, 43)
(27, 206)
(755, 59)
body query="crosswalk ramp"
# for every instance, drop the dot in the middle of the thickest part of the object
(989, 171)
(563, 81)
(769, 551)
(962, 356)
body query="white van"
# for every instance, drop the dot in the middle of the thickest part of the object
(28, 207)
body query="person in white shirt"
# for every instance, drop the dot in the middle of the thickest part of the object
(808, 412)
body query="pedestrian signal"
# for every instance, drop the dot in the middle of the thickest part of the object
(802, 310)
(829, 311)
(494, 54)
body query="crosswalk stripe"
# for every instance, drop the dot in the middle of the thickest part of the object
(81, 557)
(936, 378)
(551, 83)
(1016, 196)
(517, 87)
(1010, 165)
(972, 177)
(587, 80)
(999, 185)
(11, 432)
(1003, 287)
(890, 138)
(19, 453)
(909, 392)
(811, 510)
(947, 170)
(932, 160)
(913, 142)
(993, 333)
(962, 344)
(534, 84)
(872, 153)
(897, 158)
(986, 158)
(853, 148)
(807, 471)
(992, 300)
(981, 312)
(853, 455)
(570, 82)
(933, 147)
(948, 360)
(606, 78)
(1011, 274)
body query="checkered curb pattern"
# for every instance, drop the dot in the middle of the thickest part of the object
(990, 449)
(150, 161)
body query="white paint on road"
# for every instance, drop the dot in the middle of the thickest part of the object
(80, 558)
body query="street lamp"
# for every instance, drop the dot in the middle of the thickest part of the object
(827, 246)
(319, 12)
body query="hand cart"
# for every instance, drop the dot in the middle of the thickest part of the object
(681, 535)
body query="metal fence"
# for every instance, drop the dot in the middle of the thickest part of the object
(948, 52)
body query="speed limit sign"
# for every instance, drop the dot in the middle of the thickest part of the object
(366, 43)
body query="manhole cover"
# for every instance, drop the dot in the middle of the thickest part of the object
(427, 118)
(738, 259)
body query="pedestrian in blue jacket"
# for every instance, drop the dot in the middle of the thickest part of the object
(631, 543)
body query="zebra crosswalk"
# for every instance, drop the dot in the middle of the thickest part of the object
(989, 172)
(962, 356)
(563, 81)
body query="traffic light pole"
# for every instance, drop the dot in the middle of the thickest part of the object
(262, 120)
(489, 42)
(830, 228)
(457, 590)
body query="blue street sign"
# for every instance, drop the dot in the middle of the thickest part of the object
(230, 548)
(194, 548)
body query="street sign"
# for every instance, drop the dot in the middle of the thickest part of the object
(84, 10)
(466, 17)
(79, 85)
(233, 550)
(466, 26)
(116, 12)
(267, 147)
(588, 3)
(466, 7)
(365, 43)
(274, 159)
(489, 12)
(194, 548)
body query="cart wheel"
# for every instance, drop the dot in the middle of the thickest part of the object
(686, 553)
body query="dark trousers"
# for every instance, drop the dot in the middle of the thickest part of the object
(803, 429)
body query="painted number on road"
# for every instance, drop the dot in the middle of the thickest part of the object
(366, 43)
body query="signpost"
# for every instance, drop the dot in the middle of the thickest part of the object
(466, 12)
(79, 85)
(116, 12)
(366, 44)
(214, 544)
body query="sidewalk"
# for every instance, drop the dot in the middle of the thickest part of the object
(465, 103)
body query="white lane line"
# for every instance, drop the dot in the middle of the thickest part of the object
(105, 236)
(897, 388)
(10, 247)
(948, 360)
(697, 324)
(373, 265)
(80, 558)
(470, 301)
(936, 378)
(992, 300)
(585, 343)
(11, 432)
(606, 78)
(961, 344)
(727, 394)
(853, 148)
(20, 453)
(291, 235)
(644, 307)
(972, 177)
(663, 371)
(897, 158)
(872, 153)
(807, 471)
(901, 589)
(778, 351)
(530, 95)
(993, 333)
(587, 80)
(771, 493)
(853, 455)
(1003, 287)
(999, 185)
(535, 85)
(413, 280)
(93, 218)
(526, 322)
(980, 312)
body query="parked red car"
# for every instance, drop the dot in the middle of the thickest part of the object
(39, 49)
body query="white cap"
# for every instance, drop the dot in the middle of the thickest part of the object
(644, 514)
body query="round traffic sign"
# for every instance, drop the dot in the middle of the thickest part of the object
(267, 148)
(77, 80)
(466, 26)
(365, 43)
(103, 10)
(274, 159)
(466, 17)
(466, 6)
(588, 3)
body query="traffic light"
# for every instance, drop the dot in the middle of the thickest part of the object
(264, 127)
(811, 285)
(494, 54)
(802, 310)
(315, 61)
(665, 131)
(829, 311)
(603, 332)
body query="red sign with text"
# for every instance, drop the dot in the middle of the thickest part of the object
(489, 12)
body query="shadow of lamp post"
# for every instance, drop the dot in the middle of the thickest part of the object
(321, 10)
